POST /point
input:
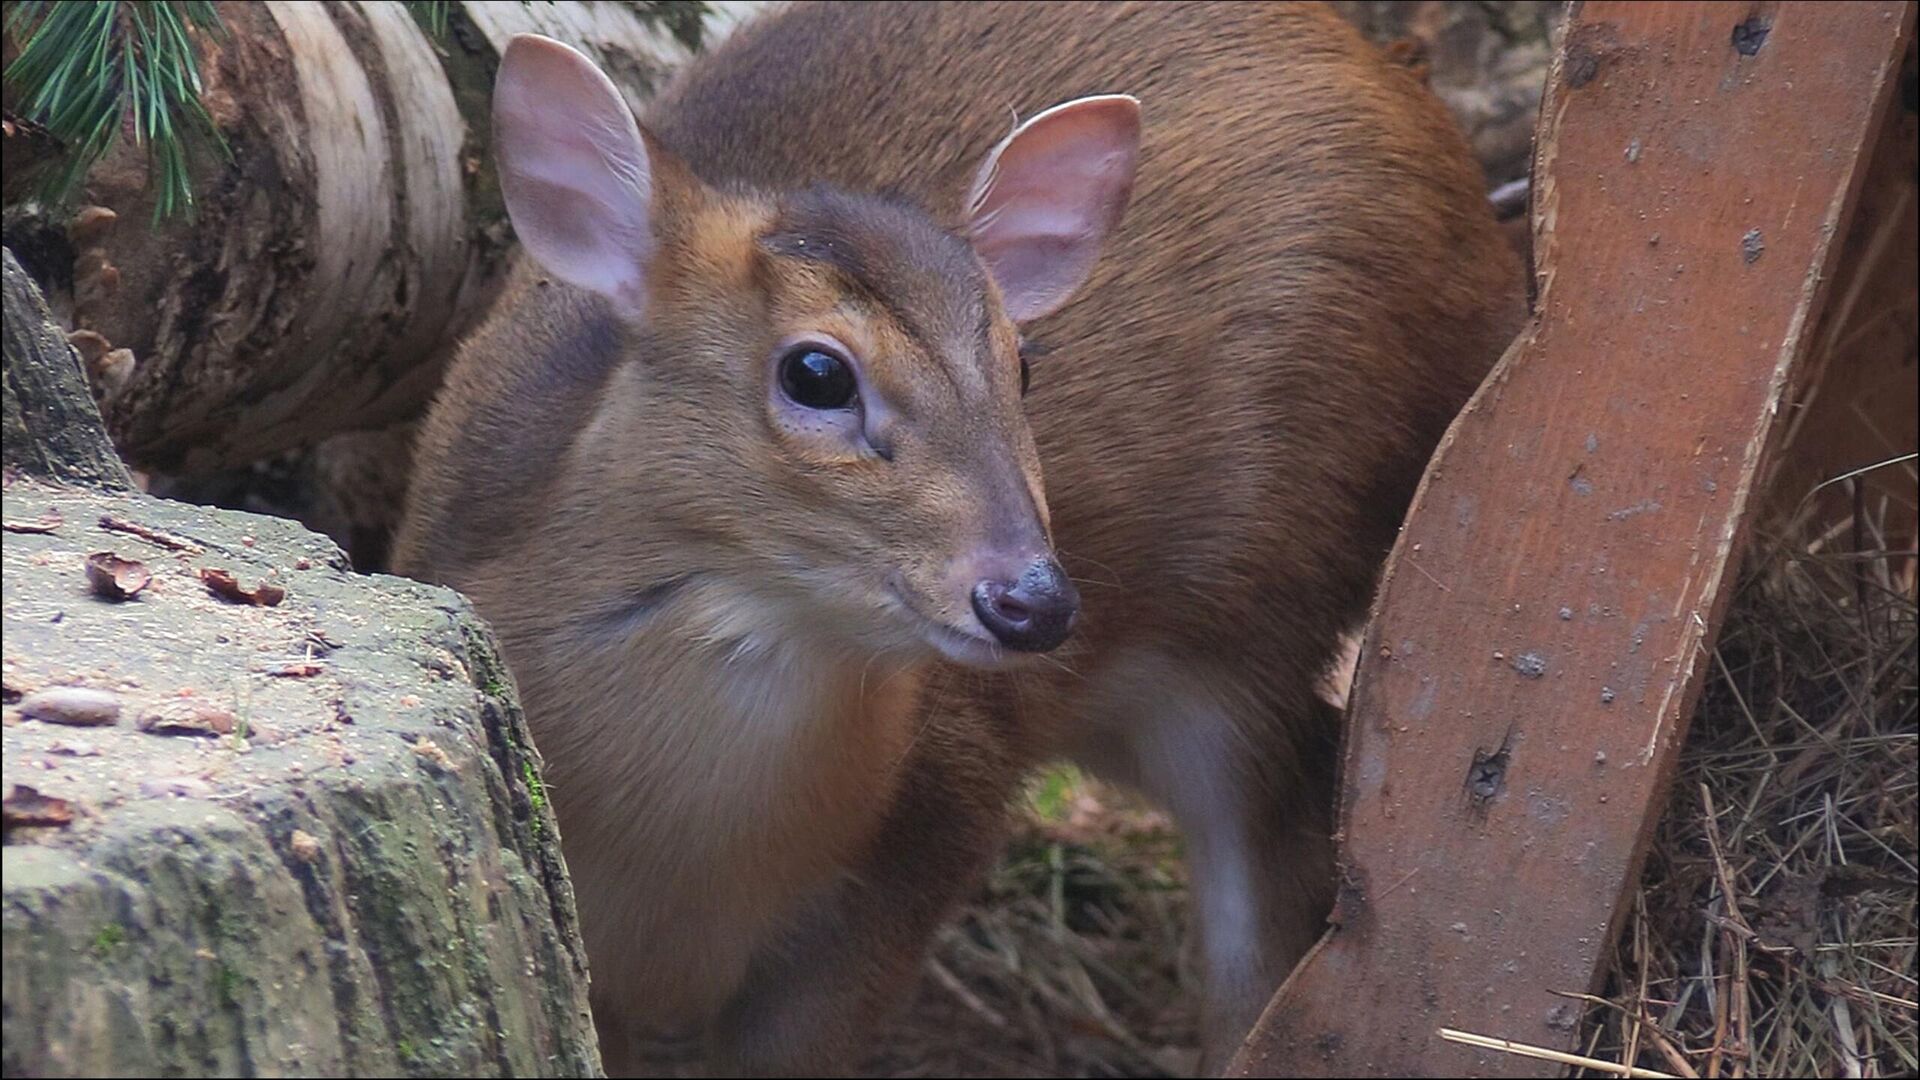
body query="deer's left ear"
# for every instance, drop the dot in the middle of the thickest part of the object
(1045, 199)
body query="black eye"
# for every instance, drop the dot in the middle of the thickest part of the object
(1026, 376)
(817, 379)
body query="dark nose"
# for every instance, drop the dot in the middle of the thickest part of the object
(1033, 614)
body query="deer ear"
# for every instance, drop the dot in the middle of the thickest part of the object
(1045, 199)
(574, 170)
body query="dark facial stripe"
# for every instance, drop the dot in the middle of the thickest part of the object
(634, 610)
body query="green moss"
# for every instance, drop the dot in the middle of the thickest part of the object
(489, 672)
(226, 987)
(1052, 792)
(110, 937)
(536, 792)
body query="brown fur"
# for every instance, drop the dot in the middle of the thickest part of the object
(770, 793)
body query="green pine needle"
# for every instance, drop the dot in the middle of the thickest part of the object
(432, 14)
(87, 67)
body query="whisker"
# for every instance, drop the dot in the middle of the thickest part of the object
(1065, 554)
(868, 666)
(1061, 664)
(931, 691)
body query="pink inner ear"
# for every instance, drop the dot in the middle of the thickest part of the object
(1046, 198)
(573, 169)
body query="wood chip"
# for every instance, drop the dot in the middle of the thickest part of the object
(304, 845)
(115, 578)
(45, 523)
(26, 806)
(225, 586)
(430, 751)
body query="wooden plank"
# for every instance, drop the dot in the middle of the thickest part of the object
(1536, 648)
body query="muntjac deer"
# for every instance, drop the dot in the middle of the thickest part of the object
(919, 391)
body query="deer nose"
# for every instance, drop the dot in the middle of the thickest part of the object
(1032, 614)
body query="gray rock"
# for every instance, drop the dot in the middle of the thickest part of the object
(50, 424)
(362, 878)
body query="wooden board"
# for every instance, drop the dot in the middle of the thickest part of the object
(1538, 641)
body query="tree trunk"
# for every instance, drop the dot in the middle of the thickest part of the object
(355, 233)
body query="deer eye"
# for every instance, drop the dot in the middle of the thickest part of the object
(813, 377)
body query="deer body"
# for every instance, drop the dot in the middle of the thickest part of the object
(780, 718)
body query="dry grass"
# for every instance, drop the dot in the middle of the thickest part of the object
(1773, 934)
(1073, 962)
(1774, 931)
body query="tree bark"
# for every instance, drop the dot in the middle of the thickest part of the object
(52, 428)
(355, 233)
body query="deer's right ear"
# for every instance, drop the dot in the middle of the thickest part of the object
(574, 170)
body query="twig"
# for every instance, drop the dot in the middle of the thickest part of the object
(1424, 573)
(1850, 1057)
(959, 990)
(1541, 1053)
(1717, 939)
(152, 536)
(1851, 473)
(1675, 1059)
(45, 523)
(1733, 1005)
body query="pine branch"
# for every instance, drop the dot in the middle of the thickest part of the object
(88, 68)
